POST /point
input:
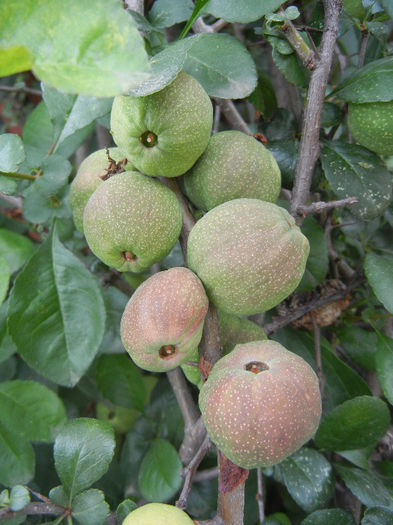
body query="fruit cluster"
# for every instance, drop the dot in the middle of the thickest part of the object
(260, 402)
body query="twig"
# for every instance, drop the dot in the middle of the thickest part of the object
(306, 55)
(363, 47)
(280, 322)
(183, 396)
(230, 112)
(200, 26)
(192, 441)
(21, 89)
(188, 219)
(309, 146)
(206, 474)
(15, 202)
(15, 175)
(321, 206)
(217, 117)
(260, 498)
(189, 472)
(34, 508)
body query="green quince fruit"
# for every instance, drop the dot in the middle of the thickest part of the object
(163, 134)
(158, 514)
(233, 165)
(249, 255)
(132, 221)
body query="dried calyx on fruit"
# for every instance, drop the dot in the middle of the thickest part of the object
(260, 404)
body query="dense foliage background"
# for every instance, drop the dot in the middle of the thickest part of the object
(84, 433)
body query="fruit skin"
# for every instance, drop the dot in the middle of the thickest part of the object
(233, 165)
(132, 214)
(259, 419)
(249, 254)
(158, 514)
(371, 125)
(166, 310)
(181, 118)
(87, 180)
(120, 418)
(233, 330)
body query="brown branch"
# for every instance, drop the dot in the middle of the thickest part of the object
(34, 508)
(206, 474)
(21, 89)
(309, 146)
(189, 472)
(234, 118)
(184, 398)
(192, 441)
(321, 206)
(231, 504)
(259, 496)
(280, 322)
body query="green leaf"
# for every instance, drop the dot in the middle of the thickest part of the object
(371, 83)
(307, 475)
(354, 8)
(359, 344)
(15, 249)
(115, 303)
(31, 409)
(243, 12)
(128, 389)
(124, 508)
(166, 13)
(388, 6)
(93, 48)
(19, 497)
(378, 516)
(58, 496)
(59, 304)
(15, 59)
(356, 423)
(222, 65)
(11, 152)
(379, 273)
(83, 451)
(90, 507)
(70, 113)
(291, 67)
(285, 152)
(366, 486)
(8, 186)
(354, 171)
(16, 458)
(329, 517)
(6, 346)
(159, 475)
(5, 276)
(384, 365)
(135, 446)
(318, 260)
(199, 4)
(263, 97)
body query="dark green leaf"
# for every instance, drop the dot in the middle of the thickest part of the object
(120, 381)
(58, 496)
(135, 447)
(366, 486)
(277, 518)
(354, 171)
(5, 275)
(222, 65)
(19, 497)
(263, 97)
(11, 152)
(359, 344)
(83, 450)
(378, 516)
(371, 83)
(159, 475)
(329, 517)
(8, 185)
(90, 507)
(202, 500)
(124, 508)
(384, 363)
(354, 8)
(199, 4)
(59, 304)
(15, 248)
(6, 346)
(31, 409)
(243, 12)
(291, 67)
(115, 303)
(357, 423)
(379, 273)
(166, 13)
(70, 113)
(285, 152)
(331, 115)
(92, 48)
(16, 458)
(318, 260)
(388, 6)
(307, 475)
